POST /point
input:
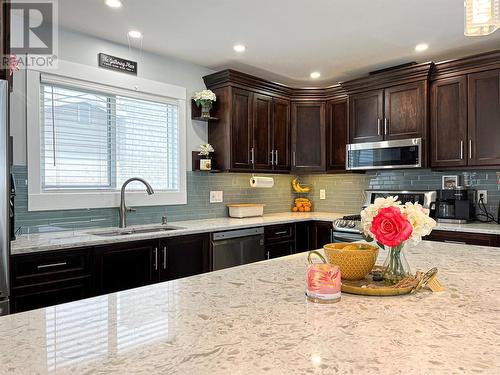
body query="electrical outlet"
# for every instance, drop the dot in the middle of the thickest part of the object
(322, 194)
(216, 196)
(482, 194)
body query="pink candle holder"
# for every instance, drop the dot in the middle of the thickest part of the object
(323, 280)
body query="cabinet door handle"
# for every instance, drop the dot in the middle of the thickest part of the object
(293, 157)
(378, 126)
(456, 242)
(386, 122)
(276, 158)
(268, 255)
(461, 150)
(156, 259)
(164, 257)
(281, 232)
(272, 157)
(42, 266)
(252, 160)
(470, 148)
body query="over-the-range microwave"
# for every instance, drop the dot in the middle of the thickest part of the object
(404, 153)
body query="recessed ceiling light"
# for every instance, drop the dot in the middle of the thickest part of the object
(315, 75)
(135, 34)
(113, 3)
(421, 47)
(239, 48)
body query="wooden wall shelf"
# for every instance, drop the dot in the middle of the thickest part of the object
(196, 113)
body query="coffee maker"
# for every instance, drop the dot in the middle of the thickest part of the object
(455, 205)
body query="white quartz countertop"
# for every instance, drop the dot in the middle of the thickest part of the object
(30, 243)
(254, 319)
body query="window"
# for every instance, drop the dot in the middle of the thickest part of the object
(85, 139)
(93, 140)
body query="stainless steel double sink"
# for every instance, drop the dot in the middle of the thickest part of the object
(130, 231)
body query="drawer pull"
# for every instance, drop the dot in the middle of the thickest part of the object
(42, 266)
(282, 232)
(456, 242)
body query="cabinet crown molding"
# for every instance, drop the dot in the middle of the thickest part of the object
(389, 77)
(234, 78)
(469, 64)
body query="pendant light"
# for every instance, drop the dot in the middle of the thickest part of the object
(481, 17)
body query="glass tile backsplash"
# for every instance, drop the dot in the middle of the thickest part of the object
(344, 194)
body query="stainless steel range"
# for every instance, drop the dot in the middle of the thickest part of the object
(348, 229)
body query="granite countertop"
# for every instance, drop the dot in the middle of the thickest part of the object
(254, 319)
(30, 243)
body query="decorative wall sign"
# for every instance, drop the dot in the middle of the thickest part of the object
(116, 63)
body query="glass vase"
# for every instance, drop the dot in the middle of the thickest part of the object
(206, 106)
(396, 266)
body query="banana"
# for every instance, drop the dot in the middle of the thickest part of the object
(298, 188)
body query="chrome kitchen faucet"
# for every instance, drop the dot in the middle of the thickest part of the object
(123, 207)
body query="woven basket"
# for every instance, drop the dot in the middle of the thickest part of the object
(355, 260)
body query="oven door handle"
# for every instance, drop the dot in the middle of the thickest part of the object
(346, 237)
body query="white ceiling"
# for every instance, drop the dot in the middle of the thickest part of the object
(286, 39)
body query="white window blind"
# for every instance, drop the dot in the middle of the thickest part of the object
(92, 139)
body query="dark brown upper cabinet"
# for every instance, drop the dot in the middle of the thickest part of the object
(396, 112)
(262, 147)
(336, 130)
(281, 134)
(242, 151)
(390, 104)
(484, 118)
(405, 111)
(308, 137)
(449, 122)
(465, 112)
(366, 116)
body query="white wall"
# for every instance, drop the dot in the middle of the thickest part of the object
(83, 49)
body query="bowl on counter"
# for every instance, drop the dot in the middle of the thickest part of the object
(355, 260)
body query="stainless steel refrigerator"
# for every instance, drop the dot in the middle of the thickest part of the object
(4, 199)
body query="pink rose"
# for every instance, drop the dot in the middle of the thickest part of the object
(390, 227)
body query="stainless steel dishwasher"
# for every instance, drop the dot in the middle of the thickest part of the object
(237, 247)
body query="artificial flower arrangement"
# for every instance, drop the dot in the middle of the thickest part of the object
(205, 162)
(205, 149)
(204, 99)
(392, 224)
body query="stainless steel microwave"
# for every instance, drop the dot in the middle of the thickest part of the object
(404, 153)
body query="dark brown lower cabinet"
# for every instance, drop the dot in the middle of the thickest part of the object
(280, 250)
(49, 294)
(50, 278)
(321, 233)
(479, 239)
(279, 240)
(302, 236)
(124, 266)
(184, 256)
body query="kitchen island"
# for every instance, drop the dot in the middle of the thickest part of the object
(255, 319)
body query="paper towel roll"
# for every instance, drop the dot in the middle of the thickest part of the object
(261, 182)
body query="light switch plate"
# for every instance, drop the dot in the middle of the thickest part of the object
(216, 196)
(322, 194)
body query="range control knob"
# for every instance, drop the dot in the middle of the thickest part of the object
(351, 224)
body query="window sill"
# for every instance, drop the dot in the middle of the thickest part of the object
(88, 200)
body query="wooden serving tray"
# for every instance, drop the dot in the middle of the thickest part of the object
(368, 287)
